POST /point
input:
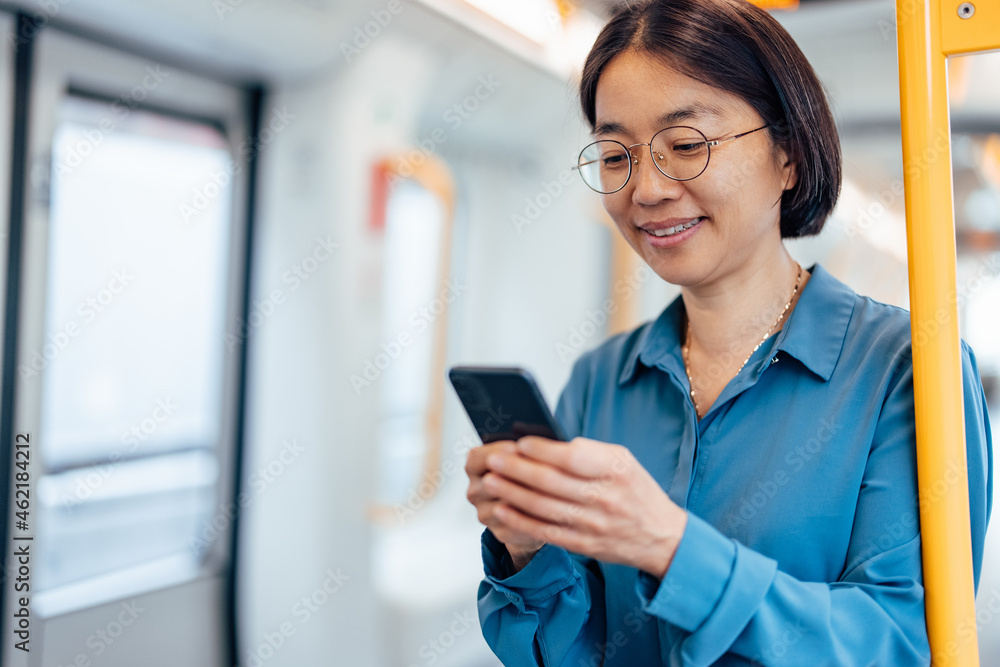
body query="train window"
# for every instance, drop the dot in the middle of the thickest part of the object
(416, 295)
(414, 227)
(132, 365)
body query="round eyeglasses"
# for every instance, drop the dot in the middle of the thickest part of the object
(680, 153)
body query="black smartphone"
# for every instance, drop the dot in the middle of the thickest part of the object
(503, 403)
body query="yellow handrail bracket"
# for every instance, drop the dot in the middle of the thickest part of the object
(969, 27)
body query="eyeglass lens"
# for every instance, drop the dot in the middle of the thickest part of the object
(680, 153)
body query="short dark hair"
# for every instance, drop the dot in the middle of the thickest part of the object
(737, 47)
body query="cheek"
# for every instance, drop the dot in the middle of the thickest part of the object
(746, 176)
(616, 207)
(746, 184)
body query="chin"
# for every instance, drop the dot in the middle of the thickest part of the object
(676, 271)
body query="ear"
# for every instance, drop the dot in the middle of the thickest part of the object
(791, 174)
(789, 170)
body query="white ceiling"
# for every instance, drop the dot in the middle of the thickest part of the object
(851, 43)
(271, 39)
(290, 38)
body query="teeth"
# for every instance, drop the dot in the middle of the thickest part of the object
(670, 231)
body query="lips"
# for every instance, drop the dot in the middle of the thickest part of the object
(671, 227)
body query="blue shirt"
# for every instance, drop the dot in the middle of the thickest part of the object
(802, 545)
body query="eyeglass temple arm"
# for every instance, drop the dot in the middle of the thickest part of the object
(733, 138)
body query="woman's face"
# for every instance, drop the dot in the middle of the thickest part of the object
(734, 202)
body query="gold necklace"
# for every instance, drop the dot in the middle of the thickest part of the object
(685, 350)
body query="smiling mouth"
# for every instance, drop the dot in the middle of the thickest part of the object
(670, 231)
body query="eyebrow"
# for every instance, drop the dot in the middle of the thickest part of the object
(695, 110)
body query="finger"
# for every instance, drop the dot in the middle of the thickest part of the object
(536, 475)
(477, 494)
(475, 462)
(582, 457)
(540, 505)
(486, 513)
(520, 523)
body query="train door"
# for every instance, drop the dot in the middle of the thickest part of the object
(128, 369)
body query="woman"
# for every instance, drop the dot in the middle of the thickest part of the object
(741, 486)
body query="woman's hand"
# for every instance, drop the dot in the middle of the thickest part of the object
(521, 547)
(589, 497)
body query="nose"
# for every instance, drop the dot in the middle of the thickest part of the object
(649, 185)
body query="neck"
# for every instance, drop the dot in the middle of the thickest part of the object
(729, 315)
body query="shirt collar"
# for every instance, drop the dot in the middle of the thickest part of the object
(814, 333)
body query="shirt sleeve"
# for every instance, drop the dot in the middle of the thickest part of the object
(720, 596)
(547, 614)
(979, 453)
(551, 612)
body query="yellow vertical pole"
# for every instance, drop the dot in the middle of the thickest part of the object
(928, 31)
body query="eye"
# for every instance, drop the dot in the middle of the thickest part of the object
(689, 148)
(614, 160)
